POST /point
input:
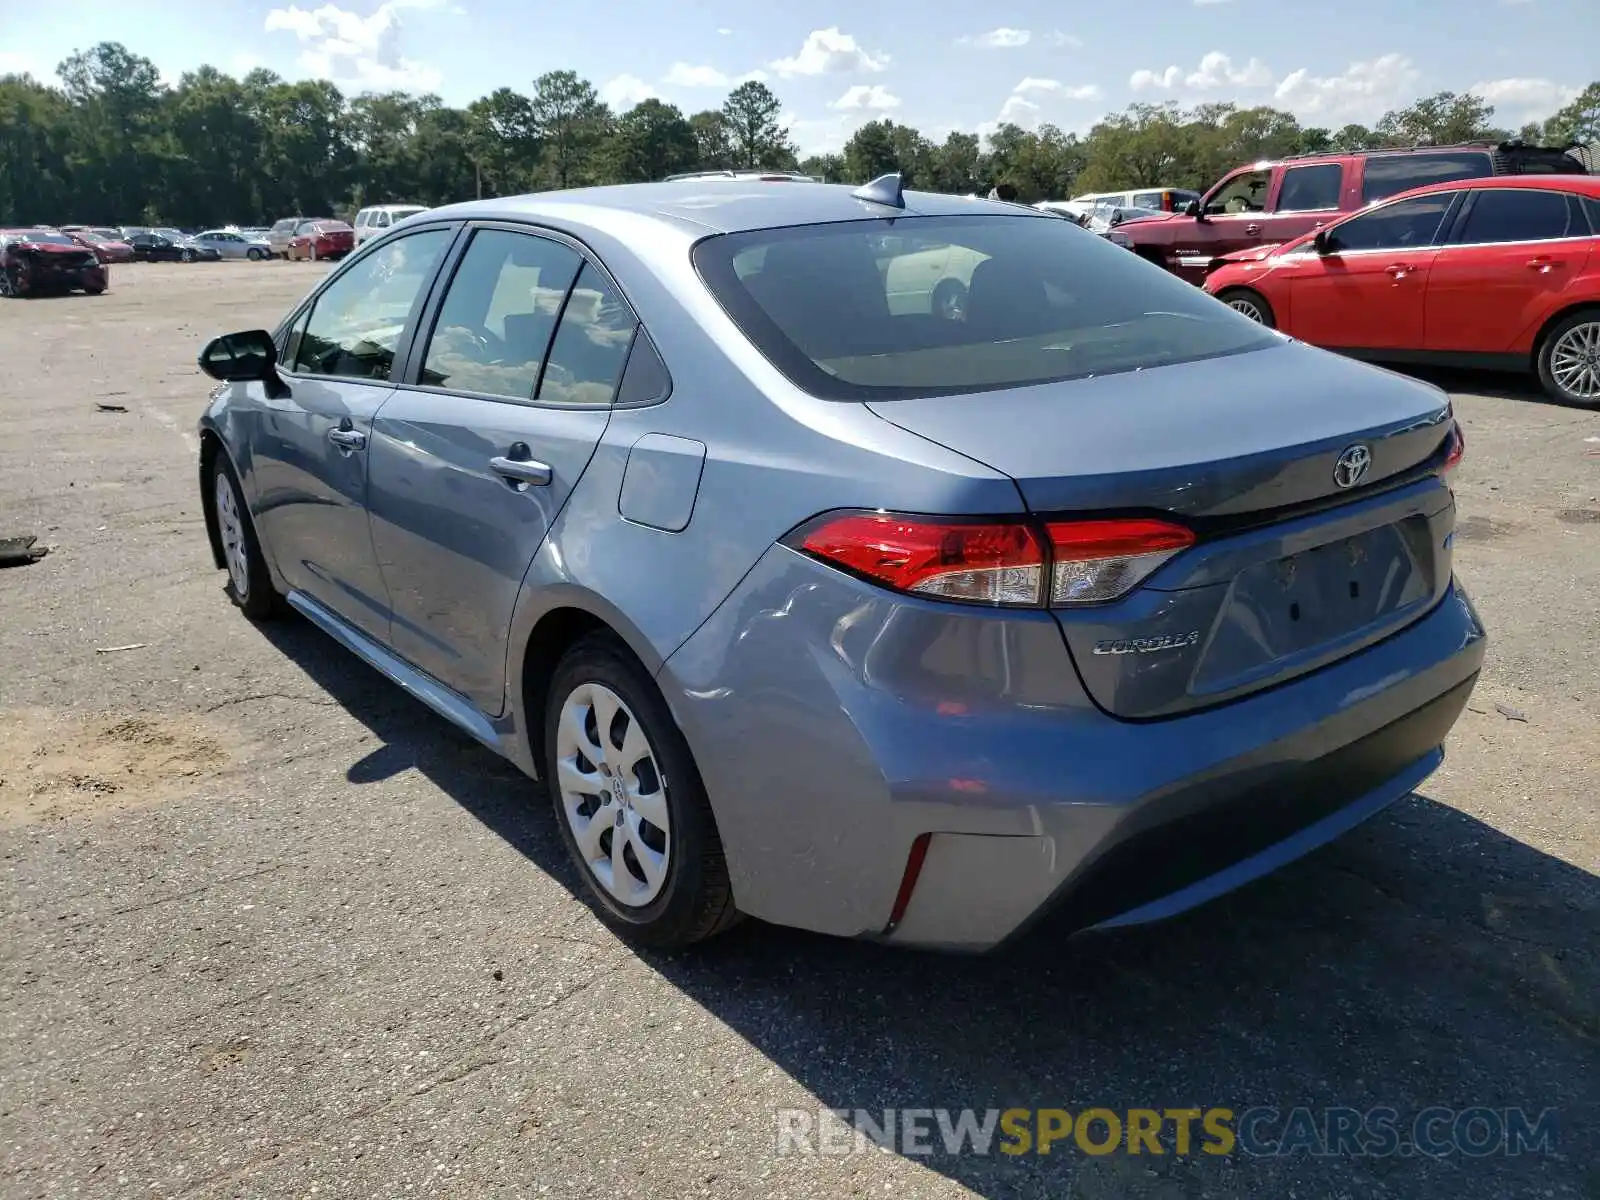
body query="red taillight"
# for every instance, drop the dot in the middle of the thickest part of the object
(1013, 563)
(1458, 447)
(1101, 560)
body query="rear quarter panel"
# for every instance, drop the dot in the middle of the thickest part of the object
(1582, 291)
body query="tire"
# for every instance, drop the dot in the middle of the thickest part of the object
(8, 286)
(94, 291)
(187, 256)
(949, 300)
(253, 255)
(688, 897)
(249, 583)
(1568, 360)
(1251, 304)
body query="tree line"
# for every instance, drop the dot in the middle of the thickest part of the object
(110, 143)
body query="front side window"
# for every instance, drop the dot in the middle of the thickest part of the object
(1388, 175)
(357, 320)
(1037, 301)
(1521, 215)
(590, 345)
(500, 312)
(1404, 225)
(1311, 188)
(1245, 192)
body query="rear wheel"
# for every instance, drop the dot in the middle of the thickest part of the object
(629, 802)
(1569, 359)
(1250, 304)
(249, 583)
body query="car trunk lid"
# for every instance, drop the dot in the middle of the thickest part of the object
(1298, 562)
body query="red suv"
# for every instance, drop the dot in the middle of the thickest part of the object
(1501, 273)
(1272, 202)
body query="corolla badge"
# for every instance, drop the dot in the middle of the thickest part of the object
(1148, 645)
(1352, 465)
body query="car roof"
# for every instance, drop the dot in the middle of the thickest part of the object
(1583, 185)
(718, 205)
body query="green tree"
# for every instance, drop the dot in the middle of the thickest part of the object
(1438, 120)
(1577, 122)
(756, 139)
(713, 144)
(651, 141)
(571, 122)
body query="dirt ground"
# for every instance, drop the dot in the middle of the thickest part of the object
(268, 928)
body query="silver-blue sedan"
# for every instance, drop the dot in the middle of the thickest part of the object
(894, 565)
(235, 243)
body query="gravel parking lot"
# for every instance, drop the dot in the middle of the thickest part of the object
(269, 928)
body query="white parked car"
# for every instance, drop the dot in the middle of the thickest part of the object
(236, 243)
(370, 222)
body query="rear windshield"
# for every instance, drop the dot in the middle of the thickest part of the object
(924, 306)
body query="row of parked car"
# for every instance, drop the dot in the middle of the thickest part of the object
(75, 257)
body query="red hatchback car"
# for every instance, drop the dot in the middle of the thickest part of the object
(321, 240)
(1501, 273)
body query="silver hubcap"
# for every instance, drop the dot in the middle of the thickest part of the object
(1575, 361)
(613, 795)
(230, 524)
(1248, 308)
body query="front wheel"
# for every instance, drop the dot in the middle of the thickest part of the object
(1569, 359)
(249, 584)
(1249, 304)
(187, 256)
(253, 255)
(629, 803)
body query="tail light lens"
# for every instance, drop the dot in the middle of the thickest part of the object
(1008, 563)
(1458, 447)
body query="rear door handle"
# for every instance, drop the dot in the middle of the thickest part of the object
(347, 439)
(522, 470)
(1542, 265)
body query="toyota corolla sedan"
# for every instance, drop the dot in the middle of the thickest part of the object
(1089, 597)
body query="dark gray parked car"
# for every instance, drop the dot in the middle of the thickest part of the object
(814, 600)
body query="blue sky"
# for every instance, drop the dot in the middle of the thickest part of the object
(938, 64)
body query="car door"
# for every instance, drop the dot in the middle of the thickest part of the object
(310, 440)
(1510, 257)
(1232, 216)
(1307, 198)
(1367, 291)
(504, 402)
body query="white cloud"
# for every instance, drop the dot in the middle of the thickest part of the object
(681, 74)
(724, 31)
(829, 52)
(1216, 70)
(1525, 95)
(870, 97)
(1019, 110)
(352, 50)
(1152, 80)
(1054, 87)
(1362, 91)
(625, 91)
(999, 39)
(825, 136)
(1056, 38)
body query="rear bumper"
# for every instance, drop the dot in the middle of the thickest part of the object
(834, 724)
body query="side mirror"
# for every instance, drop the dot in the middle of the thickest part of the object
(1192, 209)
(1116, 218)
(1324, 243)
(246, 357)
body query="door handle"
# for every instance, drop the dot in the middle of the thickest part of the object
(1399, 270)
(521, 470)
(1542, 265)
(1252, 228)
(347, 439)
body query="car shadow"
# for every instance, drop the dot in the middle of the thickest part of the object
(1501, 385)
(1424, 960)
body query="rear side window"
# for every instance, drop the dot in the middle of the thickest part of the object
(1405, 224)
(1521, 215)
(921, 306)
(498, 317)
(1592, 207)
(1389, 174)
(357, 321)
(1311, 188)
(1147, 199)
(590, 346)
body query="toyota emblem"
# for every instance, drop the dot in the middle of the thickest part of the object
(1352, 466)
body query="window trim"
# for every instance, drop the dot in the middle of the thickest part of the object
(409, 377)
(1464, 214)
(402, 349)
